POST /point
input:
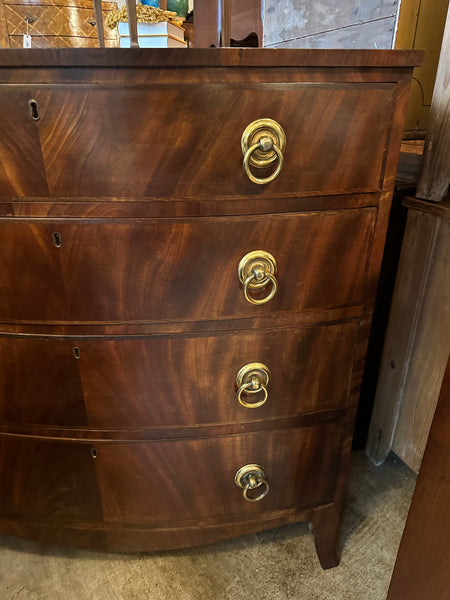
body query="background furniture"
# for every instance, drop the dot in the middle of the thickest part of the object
(421, 25)
(53, 23)
(418, 337)
(217, 22)
(289, 24)
(128, 317)
(417, 340)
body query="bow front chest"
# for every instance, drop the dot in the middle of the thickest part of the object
(190, 245)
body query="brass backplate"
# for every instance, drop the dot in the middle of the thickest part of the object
(263, 128)
(242, 475)
(252, 260)
(247, 371)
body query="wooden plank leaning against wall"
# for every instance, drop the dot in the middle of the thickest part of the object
(418, 336)
(435, 176)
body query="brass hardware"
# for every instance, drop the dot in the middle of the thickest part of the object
(57, 239)
(253, 379)
(252, 477)
(34, 109)
(30, 19)
(256, 270)
(76, 352)
(263, 143)
(92, 21)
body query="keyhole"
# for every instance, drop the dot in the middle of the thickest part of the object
(93, 452)
(34, 110)
(57, 239)
(76, 352)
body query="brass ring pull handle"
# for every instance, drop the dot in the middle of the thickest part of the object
(253, 379)
(252, 477)
(256, 270)
(253, 277)
(263, 143)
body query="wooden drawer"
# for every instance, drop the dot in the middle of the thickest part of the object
(186, 269)
(166, 481)
(185, 140)
(173, 381)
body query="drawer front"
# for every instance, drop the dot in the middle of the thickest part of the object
(22, 170)
(185, 140)
(155, 270)
(47, 480)
(40, 383)
(161, 482)
(179, 480)
(174, 381)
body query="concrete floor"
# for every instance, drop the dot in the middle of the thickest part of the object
(278, 565)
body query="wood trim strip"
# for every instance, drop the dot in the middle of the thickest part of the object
(210, 57)
(441, 210)
(163, 433)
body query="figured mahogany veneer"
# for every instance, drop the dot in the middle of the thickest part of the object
(178, 270)
(134, 130)
(172, 381)
(124, 213)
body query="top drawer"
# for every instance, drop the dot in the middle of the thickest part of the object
(185, 140)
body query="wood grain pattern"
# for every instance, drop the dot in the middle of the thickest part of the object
(53, 481)
(162, 483)
(153, 483)
(246, 17)
(206, 24)
(142, 162)
(156, 134)
(154, 73)
(266, 323)
(40, 383)
(417, 342)
(22, 170)
(116, 272)
(435, 174)
(423, 561)
(171, 381)
(117, 207)
(159, 433)
(223, 57)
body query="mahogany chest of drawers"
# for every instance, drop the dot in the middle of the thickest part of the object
(190, 247)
